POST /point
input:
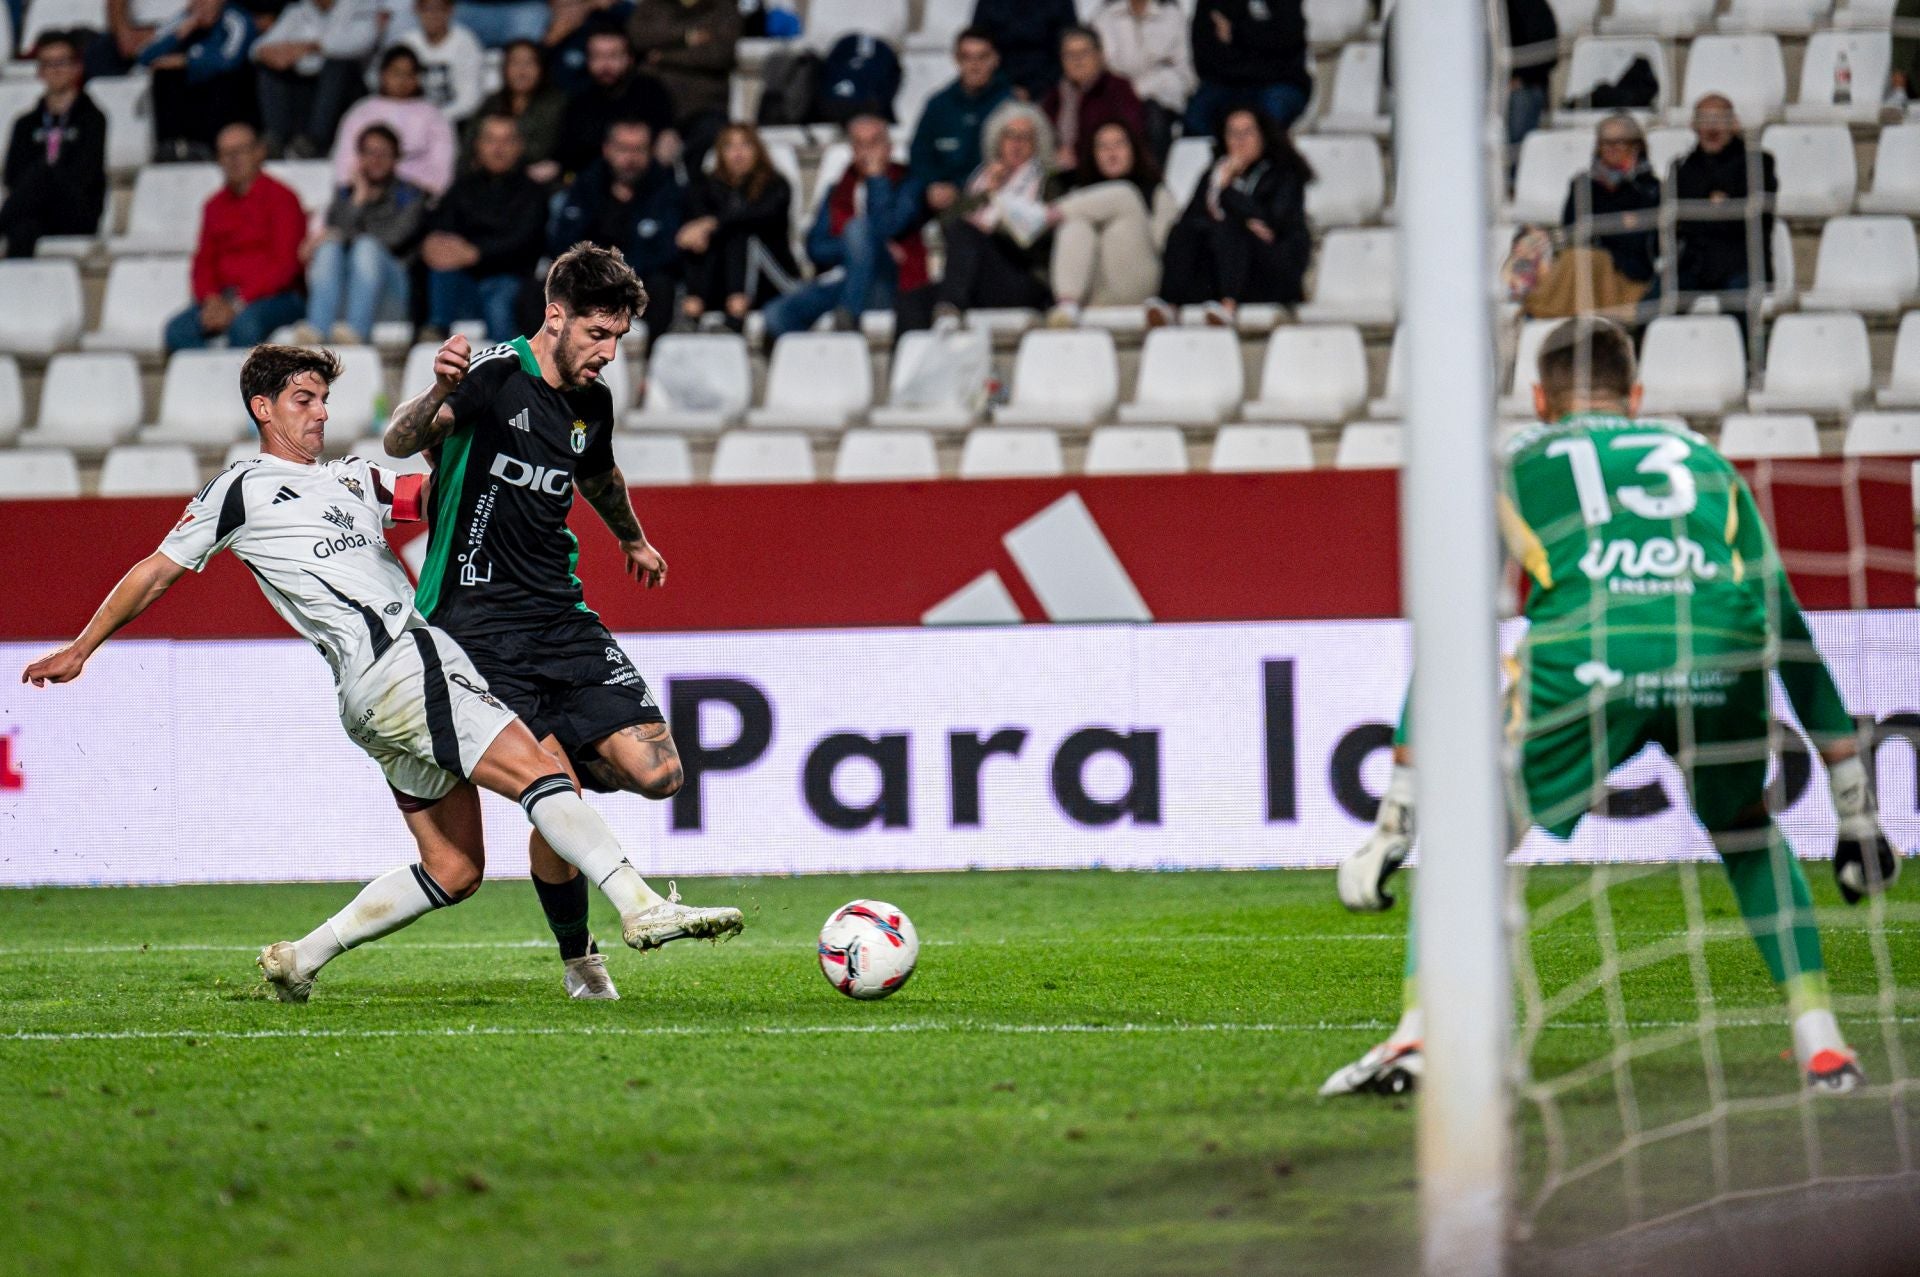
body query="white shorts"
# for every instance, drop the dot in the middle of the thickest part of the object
(424, 714)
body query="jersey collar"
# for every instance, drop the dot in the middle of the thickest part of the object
(528, 364)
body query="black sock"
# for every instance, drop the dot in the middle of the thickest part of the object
(566, 907)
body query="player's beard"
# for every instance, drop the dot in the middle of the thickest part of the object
(571, 374)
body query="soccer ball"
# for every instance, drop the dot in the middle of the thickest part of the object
(868, 949)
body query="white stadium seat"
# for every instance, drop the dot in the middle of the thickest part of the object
(1190, 376)
(786, 162)
(1667, 145)
(1782, 17)
(763, 456)
(1262, 447)
(1903, 383)
(149, 470)
(311, 180)
(126, 102)
(43, 16)
(918, 397)
(1693, 365)
(164, 215)
(1896, 172)
(143, 293)
(350, 399)
(13, 403)
(1011, 452)
(922, 74)
(867, 455)
(52, 322)
(1815, 363)
(1657, 17)
(617, 377)
(1874, 15)
(939, 24)
(1748, 70)
(1354, 104)
(1371, 445)
(1312, 373)
(1389, 405)
(1818, 176)
(1187, 164)
(1518, 401)
(200, 400)
(38, 472)
(241, 449)
(1574, 16)
(1062, 378)
(17, 97)
(1598, 60)
(1869, 57)
(1744, 435)
(828, 20)
(372, 448)
(1357, 279)
(1866, 263)
(1136, 450)
(1331, 23)
(1349, 186)
(1880, 434)
(696, 382)
(87, 402)
(816, 381)
(653, 460)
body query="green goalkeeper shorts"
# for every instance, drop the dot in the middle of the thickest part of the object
(1579, 709)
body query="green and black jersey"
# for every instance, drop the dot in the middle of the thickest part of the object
(500, 556)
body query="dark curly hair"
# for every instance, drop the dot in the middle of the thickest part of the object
(590, 280)
(271, 369)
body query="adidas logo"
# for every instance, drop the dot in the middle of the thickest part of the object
(522, 421)
(285, 494)
(1068, 563)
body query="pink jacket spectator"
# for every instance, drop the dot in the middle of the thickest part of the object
(426, 140)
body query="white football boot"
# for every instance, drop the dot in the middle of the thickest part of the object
(1834, 1073)
(1392, 1068)
(279, 962)
(670, 920)
(587, 980)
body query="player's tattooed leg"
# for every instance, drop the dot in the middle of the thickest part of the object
(642, 759)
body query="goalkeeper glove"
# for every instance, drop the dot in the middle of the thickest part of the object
(1362, 876)
(1864, 862)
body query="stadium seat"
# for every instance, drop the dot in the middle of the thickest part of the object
(1136, 450)
(1574, 16)
(200, 400)
(1815, 363)
(1262, 447)
(1598, 60)
(1007, 452)
(53, 321)
(1518, 401)
(653, 460)
(43, 16)
(1748, 69)
(149, 470)
(922, 74)
(1693, 365)
(1390, 404)
(1190, 376)
(1371, 445)
(1873, 15)
(1869, 57)
(866, 455)
(142, 294)
(917, 401)
(1354, 103)
(1665, 146)
(1818, 176)
(1866, 263)
(828, 20)
(1312, 373)
(1896, 172)
(1657, 17)
(1782, 17)
(696, 383)
(372, 448)
(1875, 434)
(1349, 186)
(417, 373)
(369, 449)
(125, 101)
(350, 402)
(311, 180)
(786, 162)
(164, 215)
(763, 456)
(816, 381)
(1062, 378)
(1187, 164)
(38, 472)
(1744, 435)
(617, 377)
(17, 97)
(1902, 389)
(13, 403)
(1331, 23)
(1357, 279)
(87, 403)
(939, 24)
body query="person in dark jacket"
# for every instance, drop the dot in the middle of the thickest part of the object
(1244, 236)
(534, 104)
(946, 142)
(1724, 237)
(625, 200)
(1533, 42)
(56, 174)
(735, 242)
(203, 77)
(1087, 96)
(485, 237)
(1027, 34)
(1249, 53)
(690, 45)
(1615, 205)
(618, 92)
(357, 262)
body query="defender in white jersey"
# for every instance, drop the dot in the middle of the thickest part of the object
(310, 532)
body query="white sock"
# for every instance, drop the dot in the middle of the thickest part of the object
(576, 832)
(1411, 1027)
(1814, 1032)
(383, 906)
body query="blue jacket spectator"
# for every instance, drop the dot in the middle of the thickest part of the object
(624, 200)
(946, 144)
(202, 78)
(1027, 33)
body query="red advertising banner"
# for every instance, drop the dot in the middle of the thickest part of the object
(1204, 547)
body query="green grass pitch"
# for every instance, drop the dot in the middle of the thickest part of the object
(1090, 1073)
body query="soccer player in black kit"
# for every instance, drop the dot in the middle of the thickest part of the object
(512, 433)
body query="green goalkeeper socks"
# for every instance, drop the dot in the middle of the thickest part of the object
(1788, 938)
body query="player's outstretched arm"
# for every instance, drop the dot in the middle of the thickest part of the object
(424, 420)
(147, 581)
(607, 494)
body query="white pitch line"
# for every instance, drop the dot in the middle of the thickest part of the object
(29, 951)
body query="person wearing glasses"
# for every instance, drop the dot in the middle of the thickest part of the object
(56, 174)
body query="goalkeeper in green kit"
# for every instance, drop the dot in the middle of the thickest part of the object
(1658, 608)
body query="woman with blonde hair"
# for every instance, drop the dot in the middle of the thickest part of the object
(735, 239)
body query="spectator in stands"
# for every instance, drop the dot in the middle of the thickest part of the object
(736, 241)
(617, 91)
(1110, 228)
(946, 143)
(1903, 74)
(452, 63)
(627, 200)
(426, 138)
(1613, 207)
(865, 241)
(56, 174)
(1249, 53)
(246, 268)
(357, 264)
(1533, 40)
(312, 64)
(535, 106)
(1725, 229)
(566, 39)
(690, 44)
(1087, 96)
(1146, 41)
(202, 80)
(1244, 236)
(485, 237)
(132, 25)
(1027, 34)
(499, 23)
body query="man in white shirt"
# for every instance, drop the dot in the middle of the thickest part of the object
(312, 64)
(452, 63)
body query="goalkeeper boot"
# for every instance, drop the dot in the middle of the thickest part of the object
(1392, 1068)
(670, 920)
(587, 980)
(280, 964)
(1834, 1073)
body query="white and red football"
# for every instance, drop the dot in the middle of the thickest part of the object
(868, 949)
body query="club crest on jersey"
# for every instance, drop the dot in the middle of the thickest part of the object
(579, 436)
(352, 485)
(338, 518)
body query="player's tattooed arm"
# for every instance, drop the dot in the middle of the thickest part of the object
(607, 494)
(424, 420)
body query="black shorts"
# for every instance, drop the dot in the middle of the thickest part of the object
(567, 679)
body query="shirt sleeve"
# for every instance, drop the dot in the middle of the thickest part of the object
(212, 521)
